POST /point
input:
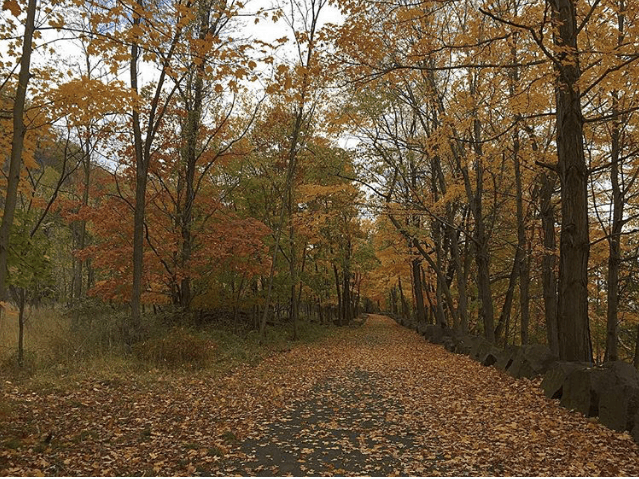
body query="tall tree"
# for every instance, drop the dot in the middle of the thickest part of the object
(574, 243)
(17, 141)
(303, 18)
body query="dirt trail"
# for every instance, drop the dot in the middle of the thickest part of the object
(376, 400)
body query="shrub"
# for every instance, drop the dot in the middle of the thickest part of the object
(89, 337)
(29, 363)
(177, 348)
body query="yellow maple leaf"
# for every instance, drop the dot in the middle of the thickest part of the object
(12, 6)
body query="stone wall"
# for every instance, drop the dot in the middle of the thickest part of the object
(609, 392)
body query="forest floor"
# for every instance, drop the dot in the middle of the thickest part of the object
(375, 400)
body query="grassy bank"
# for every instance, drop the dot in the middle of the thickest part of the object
(60, 344)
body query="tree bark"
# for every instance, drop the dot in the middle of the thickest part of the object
(418, 290)
(193, 106)
(521, 255)
(143, 152)
(339, 294)
(462, 306)
(141, 169)
(402, 298)
(482, 258)
(21, 306)
(524, 297)
(574, 245)
(504, 317)
(614, 249)
(549, 279)
(17, 146)
(346, 298)
(614, 239)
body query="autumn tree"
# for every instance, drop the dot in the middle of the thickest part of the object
(457, 60)
(18, 134)
(301, 87)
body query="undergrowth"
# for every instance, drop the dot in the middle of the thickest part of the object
(91, 341)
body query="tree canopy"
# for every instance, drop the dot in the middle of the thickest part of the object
(470, 164)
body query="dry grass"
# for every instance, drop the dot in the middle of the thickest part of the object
(94, 346)
(44, 329)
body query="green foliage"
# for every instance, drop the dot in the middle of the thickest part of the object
(29, 263)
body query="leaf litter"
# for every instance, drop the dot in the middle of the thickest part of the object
(376, 400)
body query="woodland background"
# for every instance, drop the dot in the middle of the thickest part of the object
(172, 182)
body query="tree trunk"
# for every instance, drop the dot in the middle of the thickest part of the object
(482, 258)
(521, 255)
(80, 228)
(347, 304)
(312, 17)
(21, 306)
(402, 298)
(338, 289)
(191, 129)
(524, 297)
(549, 280)
(522, 244)
(292, 260)
(462, 305)
(286, 205)
(506, 310)
(574, 245)
(141, 168)
(614, 239)
(436, 229)
(80, 233)
(294, 299)
(143, 152)
(393, 300)
(418, 290)
(17, 146)
(415, 242)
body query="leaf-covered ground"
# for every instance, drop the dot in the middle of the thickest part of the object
(376, 400)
